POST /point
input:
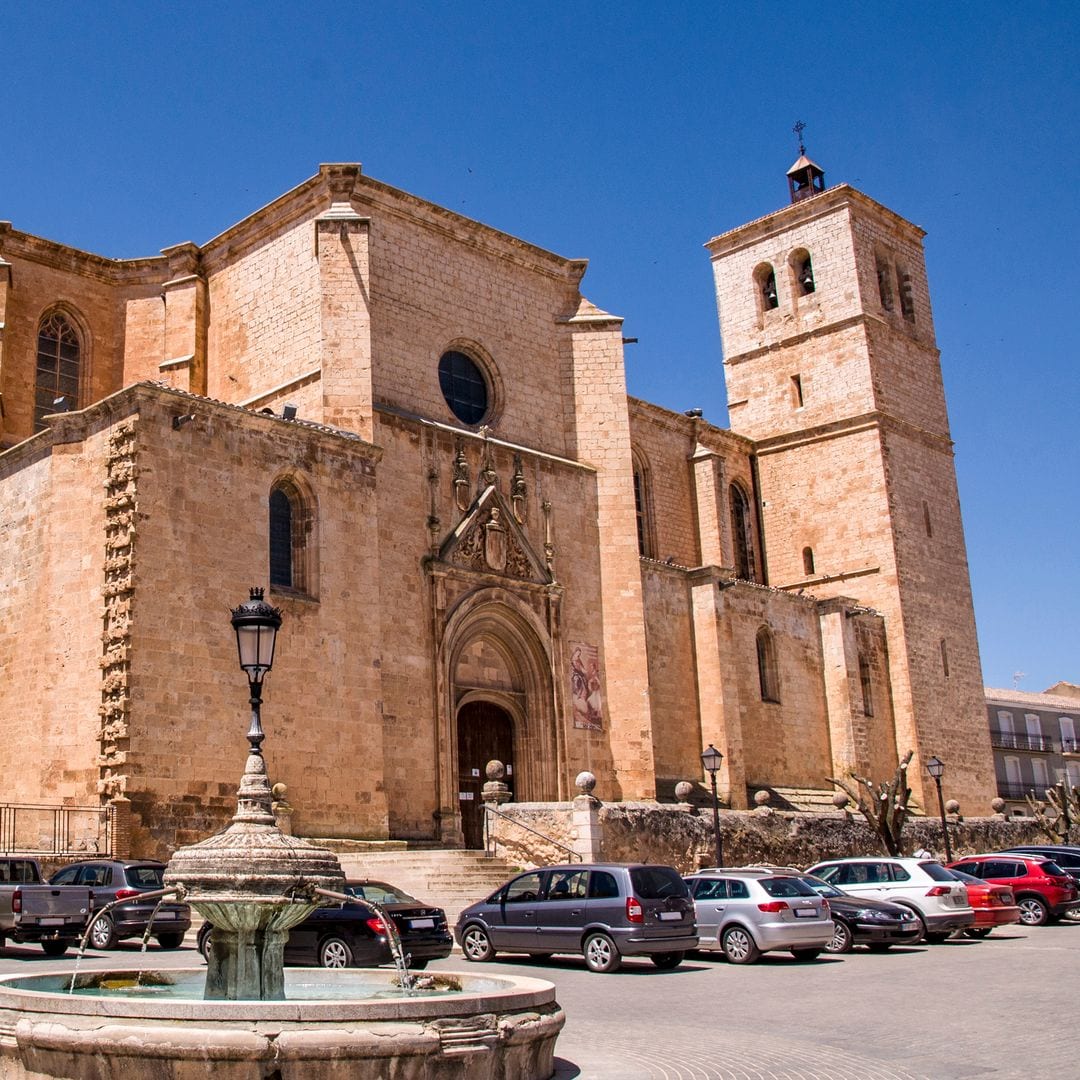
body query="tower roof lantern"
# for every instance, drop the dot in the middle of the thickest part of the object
(805, 177)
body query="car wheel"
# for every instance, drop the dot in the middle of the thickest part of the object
(739, 946)
(1033, 912)
(170, 941)
(880, 946)
(203, 944)
(601, 954)
(841, 938)
(805, 954)
(667, 961)
(54, 948)
(476, 945)
(922, 927)
(977, 931)
(334, 952)
(102, 933)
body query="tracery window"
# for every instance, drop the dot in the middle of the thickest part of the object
(59, 361)
(464, 387)
(741, 535)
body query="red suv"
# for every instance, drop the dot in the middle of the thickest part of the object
(1044, 892)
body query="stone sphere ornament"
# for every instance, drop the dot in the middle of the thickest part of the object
(762, 798)
(840, 800)
(952, 807)
(683, 789)
(585, 783)
(998, 805)
(494, 770)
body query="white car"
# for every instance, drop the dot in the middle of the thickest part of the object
(924, 886)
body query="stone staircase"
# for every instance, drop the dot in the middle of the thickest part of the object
(449, 878)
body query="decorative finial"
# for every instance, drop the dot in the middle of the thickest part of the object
(799, 128)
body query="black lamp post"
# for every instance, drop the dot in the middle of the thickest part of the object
(256, 624)
(711, 759)
(936, 768)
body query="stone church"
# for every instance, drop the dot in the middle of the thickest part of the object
(414, 431)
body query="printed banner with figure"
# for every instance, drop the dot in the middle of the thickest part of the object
(588, 702)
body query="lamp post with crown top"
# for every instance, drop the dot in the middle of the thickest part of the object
(936, 768)
(256, 624)
(711, 759)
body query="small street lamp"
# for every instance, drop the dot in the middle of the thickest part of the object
(711, 759)
(936, 768)
(256, 624)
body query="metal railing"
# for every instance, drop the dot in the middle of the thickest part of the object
(1017, 791)
(1015, 740)
(1070, 746)
(491, 841)
(48, 830)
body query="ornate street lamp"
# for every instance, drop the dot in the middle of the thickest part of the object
(256, 624)
(711, 759)
(936, 768)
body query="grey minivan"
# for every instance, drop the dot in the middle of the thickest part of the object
(603, 910)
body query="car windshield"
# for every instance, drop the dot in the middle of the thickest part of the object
(657, 882)
(144, 877)
(379, 892)
(786, 886)
(936, 871)
(822, 888)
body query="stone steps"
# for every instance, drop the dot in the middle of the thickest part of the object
(448, 878)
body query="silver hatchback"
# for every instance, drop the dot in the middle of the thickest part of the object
(744, 913)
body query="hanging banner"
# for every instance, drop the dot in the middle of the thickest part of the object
(585, 696)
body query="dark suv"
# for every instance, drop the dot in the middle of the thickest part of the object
(126, 880)
(605, 911)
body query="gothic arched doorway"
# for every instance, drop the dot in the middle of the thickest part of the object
(484, 732)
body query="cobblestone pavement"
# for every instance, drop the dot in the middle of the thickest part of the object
(997, 1009)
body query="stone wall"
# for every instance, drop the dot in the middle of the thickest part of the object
(684, 838)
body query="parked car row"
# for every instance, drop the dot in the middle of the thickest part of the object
(609, 911)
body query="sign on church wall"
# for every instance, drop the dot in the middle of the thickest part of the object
(585, 682)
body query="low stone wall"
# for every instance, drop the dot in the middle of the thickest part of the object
(683, 836)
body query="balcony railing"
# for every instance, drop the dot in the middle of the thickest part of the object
(1017, 791)
(1070, 746)
(1014, 740)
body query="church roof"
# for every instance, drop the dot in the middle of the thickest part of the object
(804, 163)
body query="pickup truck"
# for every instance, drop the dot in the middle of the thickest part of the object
(54, 916)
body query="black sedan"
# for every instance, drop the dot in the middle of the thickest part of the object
(353, 934)
(876, 924)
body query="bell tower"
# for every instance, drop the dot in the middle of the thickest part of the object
(832, 369)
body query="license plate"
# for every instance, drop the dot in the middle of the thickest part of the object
(421, 924)
(165, 915)
(51, 922)
(805, 913)
(671, 916)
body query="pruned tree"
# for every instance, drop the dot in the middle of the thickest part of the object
(884, 805)
(1056, 816)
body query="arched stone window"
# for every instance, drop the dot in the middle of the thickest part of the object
(884, 284)
(765, 280)
(59, 367)
(642, 508)
(802, 272)
(808, 560)
(292, 547)
(742, 537)
(768, 674)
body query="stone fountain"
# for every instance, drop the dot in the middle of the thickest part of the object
(246, 1018)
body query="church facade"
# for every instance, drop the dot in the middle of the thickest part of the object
(414, 430)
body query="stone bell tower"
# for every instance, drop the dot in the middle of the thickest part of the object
(833, 370)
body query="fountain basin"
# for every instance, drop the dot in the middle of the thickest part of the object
(495, 1028)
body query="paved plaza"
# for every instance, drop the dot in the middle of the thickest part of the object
(998, 1009)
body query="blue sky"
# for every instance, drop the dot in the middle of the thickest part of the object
(629, 134)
